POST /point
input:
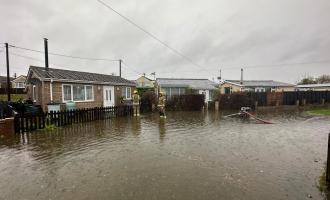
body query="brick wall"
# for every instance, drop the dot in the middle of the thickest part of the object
(118, 94)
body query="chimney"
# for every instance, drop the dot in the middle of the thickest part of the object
(15, 76)
(46, 53)
(241, 77)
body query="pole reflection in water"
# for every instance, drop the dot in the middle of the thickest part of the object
(162, 130)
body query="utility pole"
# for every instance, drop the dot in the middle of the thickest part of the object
(219, 77)
(153, 74)
(120, 67)
(8, 78)
(241, 82)
(46, 53)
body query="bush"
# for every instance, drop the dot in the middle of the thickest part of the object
(190, 102)
(235, 101)
(147, 99)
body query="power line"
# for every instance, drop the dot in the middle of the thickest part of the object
(27, 57)
(39, 60)
(63, 55)
(127, 67)
(151, 35)
(259, 66)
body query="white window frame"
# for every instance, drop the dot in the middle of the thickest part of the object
(71, 85)
(34, 93)
(17, 85)
(130, 93)
(260, 89)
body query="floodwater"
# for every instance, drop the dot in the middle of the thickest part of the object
(189, 155)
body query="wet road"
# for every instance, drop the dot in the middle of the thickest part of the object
(189, 155)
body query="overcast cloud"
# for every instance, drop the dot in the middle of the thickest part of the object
(215, 34)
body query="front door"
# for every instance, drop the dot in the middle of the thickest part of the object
(108, 96)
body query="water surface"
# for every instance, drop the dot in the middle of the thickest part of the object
(189, 155)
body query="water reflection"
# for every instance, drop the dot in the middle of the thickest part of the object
(162, 130)
(189, 155)
(136, 125)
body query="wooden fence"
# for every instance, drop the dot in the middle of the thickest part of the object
(237, 100)
(311, 97)
(30, 122)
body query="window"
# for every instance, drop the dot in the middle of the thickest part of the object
(20, 85)
(175, 91)
(259, 89)
(182, 91)
(77, 92)
(227, 90)
(67, 93)
(128, 93)
(34, 93)
(167, 91)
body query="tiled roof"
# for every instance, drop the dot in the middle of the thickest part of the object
(260, 83)
(74, 76)
(192, 83)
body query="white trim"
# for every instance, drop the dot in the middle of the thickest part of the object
(232, 83)
(130, 94)
(34, 96)
(71, 85)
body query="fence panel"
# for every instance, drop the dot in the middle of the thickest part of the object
(31, 122)
(311, 97)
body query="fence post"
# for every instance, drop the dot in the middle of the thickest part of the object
(328, 162)
(297, 103)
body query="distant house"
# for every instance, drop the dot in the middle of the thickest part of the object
(175, 86)
(3, 81)
(313, 87)
(144, 82)
(231, 86)
(18, 82)
(86, 89)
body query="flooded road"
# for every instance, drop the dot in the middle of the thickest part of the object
(189, 155)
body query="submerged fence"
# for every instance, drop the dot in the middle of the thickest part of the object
(30, 122)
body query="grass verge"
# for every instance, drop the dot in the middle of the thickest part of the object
(320, 111)
(14, 97)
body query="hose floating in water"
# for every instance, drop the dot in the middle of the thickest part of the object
(256, 118)
(250, 115)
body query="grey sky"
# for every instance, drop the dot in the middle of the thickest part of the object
(226, 34)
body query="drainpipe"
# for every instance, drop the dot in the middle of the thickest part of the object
(51, 90)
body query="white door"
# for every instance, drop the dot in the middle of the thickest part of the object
(108, 96)
(206, 94)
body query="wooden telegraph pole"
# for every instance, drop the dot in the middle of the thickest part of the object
(120, 67)
(8, 74)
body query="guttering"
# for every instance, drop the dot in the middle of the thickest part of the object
(90, 82)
